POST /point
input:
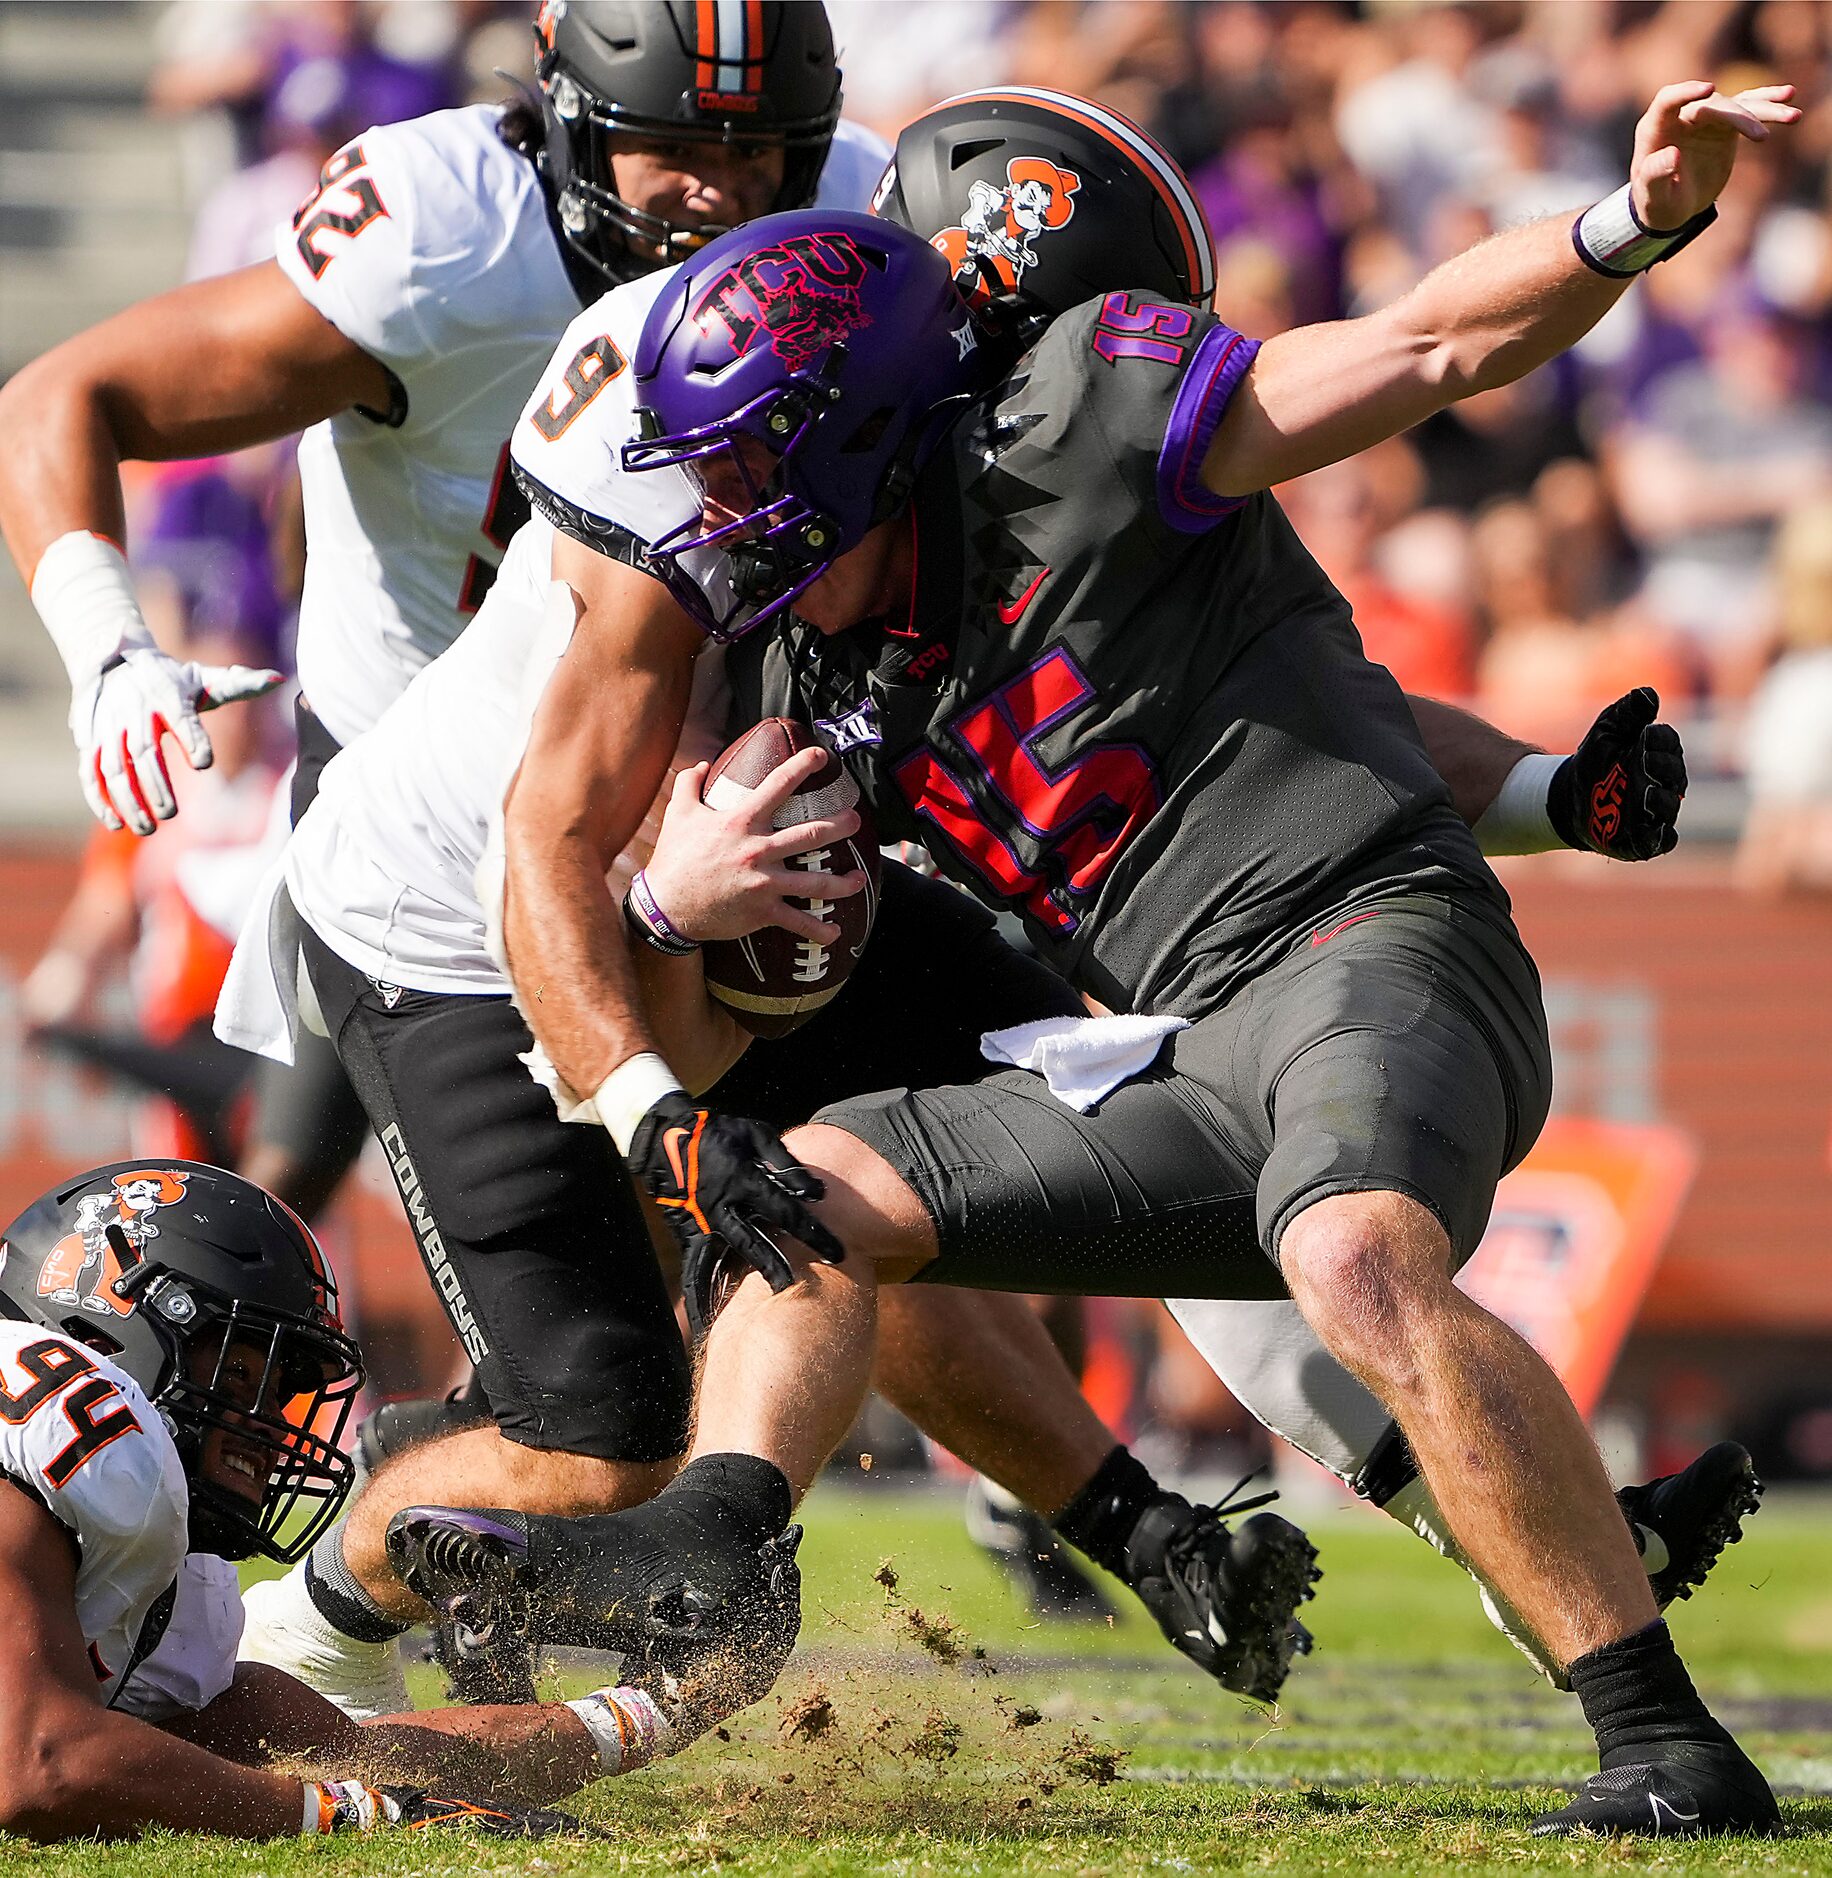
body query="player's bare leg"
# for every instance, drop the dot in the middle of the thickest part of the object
(492, 1472)
(976, 1371)
(1512, 1467)
(1523, 1489)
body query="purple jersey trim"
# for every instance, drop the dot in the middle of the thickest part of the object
(1220, 362)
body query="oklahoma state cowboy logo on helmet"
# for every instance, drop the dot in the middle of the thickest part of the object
(991, 248)
(82, 1266)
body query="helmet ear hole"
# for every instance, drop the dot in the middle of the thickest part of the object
(870, 433)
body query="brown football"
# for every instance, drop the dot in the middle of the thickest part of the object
(772, 981)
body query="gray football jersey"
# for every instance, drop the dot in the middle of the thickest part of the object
(1135, 713)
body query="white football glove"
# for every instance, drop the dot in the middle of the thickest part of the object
(119, 717)
(125, 694)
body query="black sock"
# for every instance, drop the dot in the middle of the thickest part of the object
(709, 1521)
(1101, 1517)
(734, 1499)
(1638, 1698)
(338, 1594)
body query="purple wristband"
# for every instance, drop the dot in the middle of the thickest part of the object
(642, 911)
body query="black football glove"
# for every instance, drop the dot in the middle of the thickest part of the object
(720, 1181)
(1619, 794)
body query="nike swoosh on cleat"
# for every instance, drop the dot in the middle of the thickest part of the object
(1654, 1553)
(1011, 611)
(1655, 1803)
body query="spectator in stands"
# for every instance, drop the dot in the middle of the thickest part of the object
(1787, 840)
(1342, 513)
(1545, 673)
(1703, 474)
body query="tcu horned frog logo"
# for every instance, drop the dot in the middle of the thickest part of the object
(797, 296)
(82, 1265)
(993, 241)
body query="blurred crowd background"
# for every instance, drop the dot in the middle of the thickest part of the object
(1654, 508)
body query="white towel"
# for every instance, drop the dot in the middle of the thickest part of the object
(1082, 1058)
(258, 1007)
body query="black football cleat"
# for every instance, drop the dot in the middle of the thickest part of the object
(1227, 1599)
(1022, 1545)
(707, 1635)
(471, 1567)
(1694, 1790)
(1683, 1521)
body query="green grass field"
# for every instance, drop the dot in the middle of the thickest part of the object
(1414, 1740)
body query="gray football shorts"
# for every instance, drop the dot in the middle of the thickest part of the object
(1400, 1046)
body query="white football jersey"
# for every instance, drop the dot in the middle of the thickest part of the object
(384, 866)
(78, 1435)
(430, 246)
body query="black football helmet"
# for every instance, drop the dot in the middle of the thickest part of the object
(1042, 200)
(197, 1283)
(719, 71)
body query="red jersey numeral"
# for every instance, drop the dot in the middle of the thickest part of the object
(1074, 821)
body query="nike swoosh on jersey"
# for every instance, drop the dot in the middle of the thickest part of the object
(1011, 611)
(1320, 937)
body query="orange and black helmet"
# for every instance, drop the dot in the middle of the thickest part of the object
(217, 1300)
(711, 71)
(1043, 200)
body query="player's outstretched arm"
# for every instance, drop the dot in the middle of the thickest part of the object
(214, 366)
(1618, 794)
(1488, 316)
(526, 1755)
(70, 1768)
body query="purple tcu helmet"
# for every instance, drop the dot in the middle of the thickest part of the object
(800, 370)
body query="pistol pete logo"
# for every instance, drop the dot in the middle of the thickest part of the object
(993, 242)
(82, 1267)
(797, 296)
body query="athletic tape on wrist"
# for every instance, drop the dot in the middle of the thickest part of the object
(1517, 821)
(345, 1806)
(643, 911)
(628, 1728)
(85, 596)
(1612, 239)
(629, 1092)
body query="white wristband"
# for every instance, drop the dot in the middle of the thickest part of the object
(1612, 239)
(629, 1092)
(85, 597)
(1517, 821)
(630, 1731)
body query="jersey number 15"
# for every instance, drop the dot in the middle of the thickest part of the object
(1072, 821)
